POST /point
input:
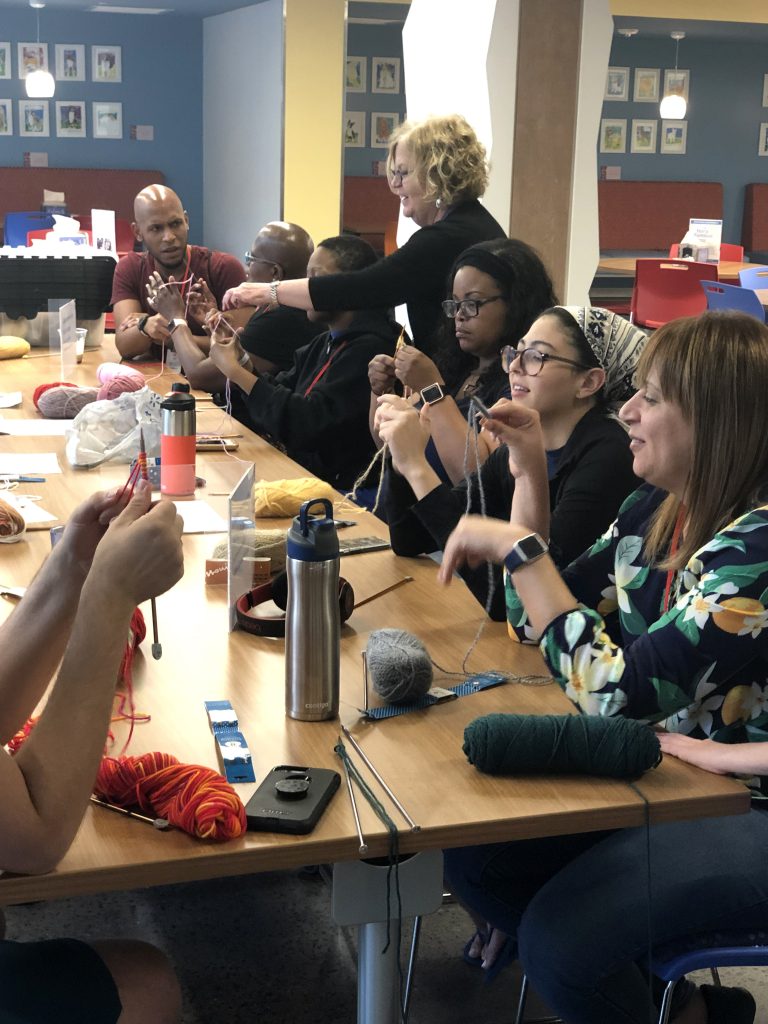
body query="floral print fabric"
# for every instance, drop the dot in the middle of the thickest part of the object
(701, 667)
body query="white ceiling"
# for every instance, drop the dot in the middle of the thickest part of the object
(192, 8)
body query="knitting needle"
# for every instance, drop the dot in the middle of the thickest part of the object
(365, 680)
(360, 836)
(382, 783)
(386, 590)
(161, 824)
(157, 649)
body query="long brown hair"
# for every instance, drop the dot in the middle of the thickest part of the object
(715, 368)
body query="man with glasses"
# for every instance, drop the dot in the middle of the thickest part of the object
(162, 225)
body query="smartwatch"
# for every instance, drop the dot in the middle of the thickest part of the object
(528, 549)
(142, 325)
(432, 394)
(177, 321)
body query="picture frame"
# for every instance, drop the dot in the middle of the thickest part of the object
(356, 75)
(33, 119)
(5, 60)
(643, 137)
(107, 120)
(674, 136)
(69, 62)
(107, 64)
(385, 74)
(354, 129)
(613, 135)
(765, 88)
(31, 57)
(762, 143)
(676, 82)
(646, 88)
(70, 119)
(6, 117)
(382, 126)
(617, 85)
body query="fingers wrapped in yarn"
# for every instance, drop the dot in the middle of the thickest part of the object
(64, 402)
(192, 797)
(399, 665)
(12, 525)
(619, 748)
(106, 372)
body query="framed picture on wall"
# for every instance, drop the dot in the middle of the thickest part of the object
(354, 129)
(673, 137)
(643, 138)
(5, 60)
(382, 126)
(70, 62)
(6, 117)
(33, 118)
(646, 85)
(613, 135)
(385, 74)
(106, 64)
(617, 84)
(357, 74)
(70, 119)
(765, 86)
(676, 83)
(32, 57)
(762, 145)
(107, 120)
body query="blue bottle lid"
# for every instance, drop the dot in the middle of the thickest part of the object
(313, 539)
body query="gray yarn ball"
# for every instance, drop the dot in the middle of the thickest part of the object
(399, 666)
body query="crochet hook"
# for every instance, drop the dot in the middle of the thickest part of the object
(382, 783)
(157, 648)
(161, 824)
(360, 836)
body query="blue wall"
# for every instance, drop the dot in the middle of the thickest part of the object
(724, 116)
(374, 41)
(161, 86)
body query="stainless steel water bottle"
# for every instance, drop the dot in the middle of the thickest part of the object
(177, 441)
(313, 619)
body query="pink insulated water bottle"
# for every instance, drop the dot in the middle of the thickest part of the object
(177, 442)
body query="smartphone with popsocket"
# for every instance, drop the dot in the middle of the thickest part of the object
(291, 799)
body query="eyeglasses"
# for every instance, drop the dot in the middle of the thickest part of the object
(396, 177)
(249, 259)
(531, 360)
(467, 307)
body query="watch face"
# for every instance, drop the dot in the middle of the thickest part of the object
(531, 546)
(432, 393)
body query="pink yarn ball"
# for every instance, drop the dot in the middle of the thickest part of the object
(108, 371)
(120, 384)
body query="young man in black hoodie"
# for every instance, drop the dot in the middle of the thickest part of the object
(318, 410)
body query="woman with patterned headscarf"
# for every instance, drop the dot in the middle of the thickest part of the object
(565, 376)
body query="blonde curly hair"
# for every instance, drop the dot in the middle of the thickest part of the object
(449, 160)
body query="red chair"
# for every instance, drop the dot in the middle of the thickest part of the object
(729, 253)
(667, 289)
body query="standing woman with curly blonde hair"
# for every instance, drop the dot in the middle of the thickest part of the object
(438, 170)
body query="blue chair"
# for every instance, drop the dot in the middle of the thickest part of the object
(731, 296)
(16, 225)
(754, 277)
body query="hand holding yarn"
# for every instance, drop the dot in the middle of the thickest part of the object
(381, 374)
(519, 428)
(226, 350)
(202, 302)
(399, 425)
(165, 296)
(414, 369)
(249, 293)
(478, 539)
(88, 524)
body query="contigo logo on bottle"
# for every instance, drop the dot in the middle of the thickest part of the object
(318, 705)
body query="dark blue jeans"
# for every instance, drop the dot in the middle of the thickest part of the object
(578, 906)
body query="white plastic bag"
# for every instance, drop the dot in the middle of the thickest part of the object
(110, 429)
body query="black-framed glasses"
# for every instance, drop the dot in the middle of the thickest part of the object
(250, 258)
(396, 177)
(531, 360)
(467, 307)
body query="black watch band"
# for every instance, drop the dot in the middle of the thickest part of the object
(528, 549)
(142, 325)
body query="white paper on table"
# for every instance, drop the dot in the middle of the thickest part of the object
(33, 513)
(8, 399)
(28, 463)
(199, 517)
(34, 428)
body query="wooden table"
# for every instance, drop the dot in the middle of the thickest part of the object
(419, 753)
(625, 266)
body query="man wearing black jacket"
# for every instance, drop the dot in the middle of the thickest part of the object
(318, 410)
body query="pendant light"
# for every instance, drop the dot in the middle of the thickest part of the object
(673, 106)
(40, 84)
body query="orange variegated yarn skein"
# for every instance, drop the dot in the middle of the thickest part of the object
(192, 797)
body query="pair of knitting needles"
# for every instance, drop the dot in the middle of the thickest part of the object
(361, 838)
(161, 824)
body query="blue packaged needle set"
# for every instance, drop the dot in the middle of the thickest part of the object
(235, 757)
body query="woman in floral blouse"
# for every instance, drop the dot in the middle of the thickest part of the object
(663, 619)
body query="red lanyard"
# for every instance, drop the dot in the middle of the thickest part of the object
(672, 551)
(324, 367)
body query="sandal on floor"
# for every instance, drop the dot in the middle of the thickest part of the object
(506, 955)
(728, 1005)
(475, 961)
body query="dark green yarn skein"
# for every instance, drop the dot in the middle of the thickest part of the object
(619, 748)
